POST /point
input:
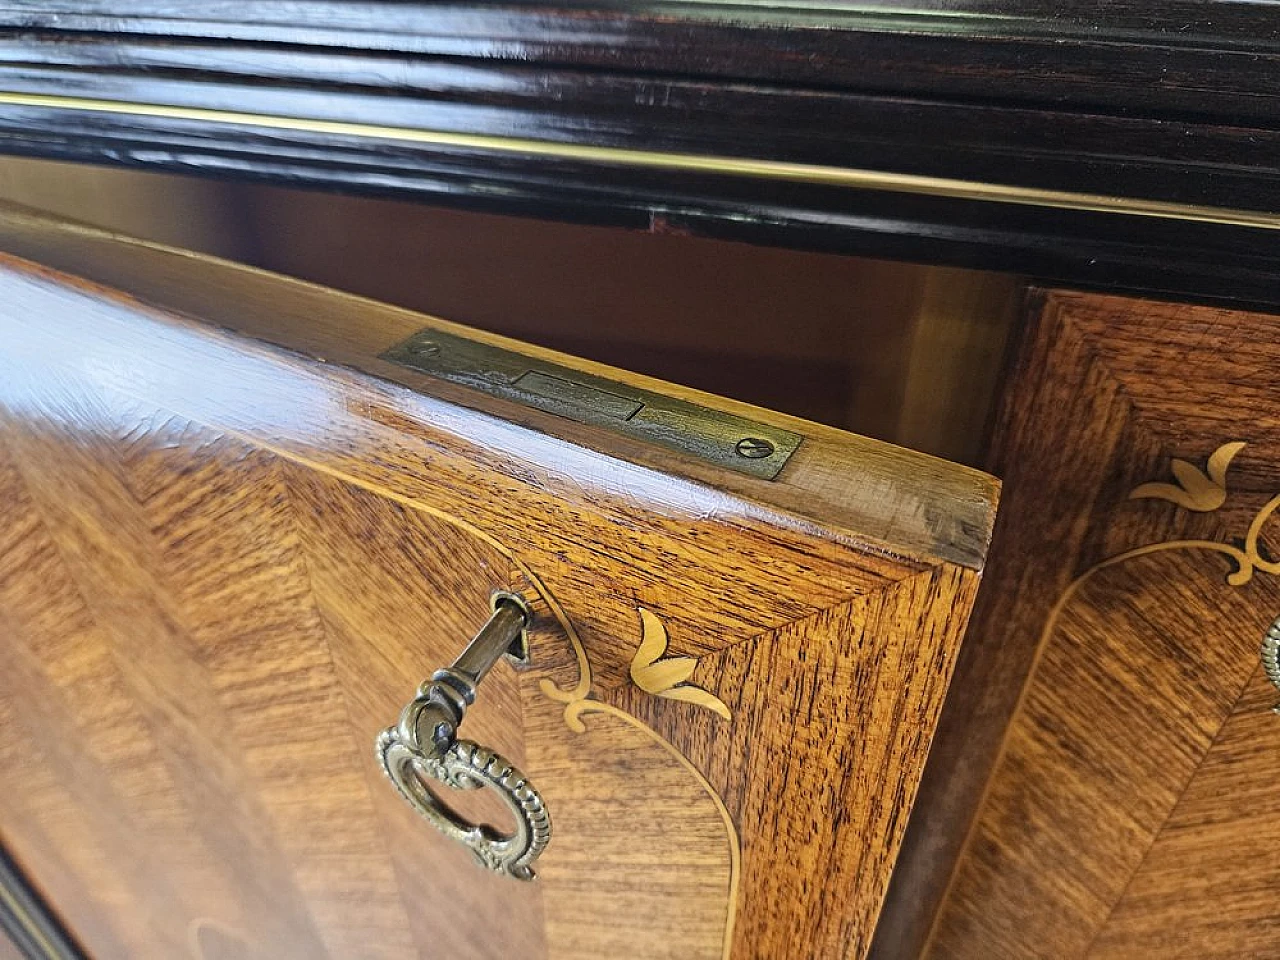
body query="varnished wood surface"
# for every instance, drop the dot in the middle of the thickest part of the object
(225, 567)
(894, 499)
(1207, 887)
(1110, 685)
(860, 344)
(1175, 102)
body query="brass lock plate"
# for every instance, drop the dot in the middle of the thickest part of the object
(736, 443)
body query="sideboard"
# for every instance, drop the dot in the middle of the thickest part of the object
(1087, 774)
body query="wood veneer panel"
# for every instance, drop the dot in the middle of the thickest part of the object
(1124, 706)
(838, 727)
(228, 565)
(1121, 626)
(1207, 886)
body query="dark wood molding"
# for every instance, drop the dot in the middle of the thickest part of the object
(1179, 106)
(27, 921)
(1095, 54)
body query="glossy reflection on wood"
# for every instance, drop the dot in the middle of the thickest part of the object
(1175, 101)
(224, 567)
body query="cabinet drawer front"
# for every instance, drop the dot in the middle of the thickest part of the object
(226, 563)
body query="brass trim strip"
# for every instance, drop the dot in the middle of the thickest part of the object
(851, 177)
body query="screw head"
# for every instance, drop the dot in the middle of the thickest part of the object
(754, 448)
(425, 348)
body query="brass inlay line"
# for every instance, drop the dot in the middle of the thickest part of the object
(851, 177)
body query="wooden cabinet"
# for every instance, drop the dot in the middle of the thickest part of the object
(240, 524)
(239, 531)
(1103, 781)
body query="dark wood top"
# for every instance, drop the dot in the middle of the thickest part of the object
(1178, 106)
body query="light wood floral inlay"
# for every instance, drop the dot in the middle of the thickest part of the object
(668, 676)
(1200, 490)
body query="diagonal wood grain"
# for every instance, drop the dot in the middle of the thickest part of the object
(226, 538)
(1202, 376)
(1136, 681)
(232, 565)
(655, 857)
(400, 593)
(1093, 691)
(117, 721)
(1206, 888)
(826, 717)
